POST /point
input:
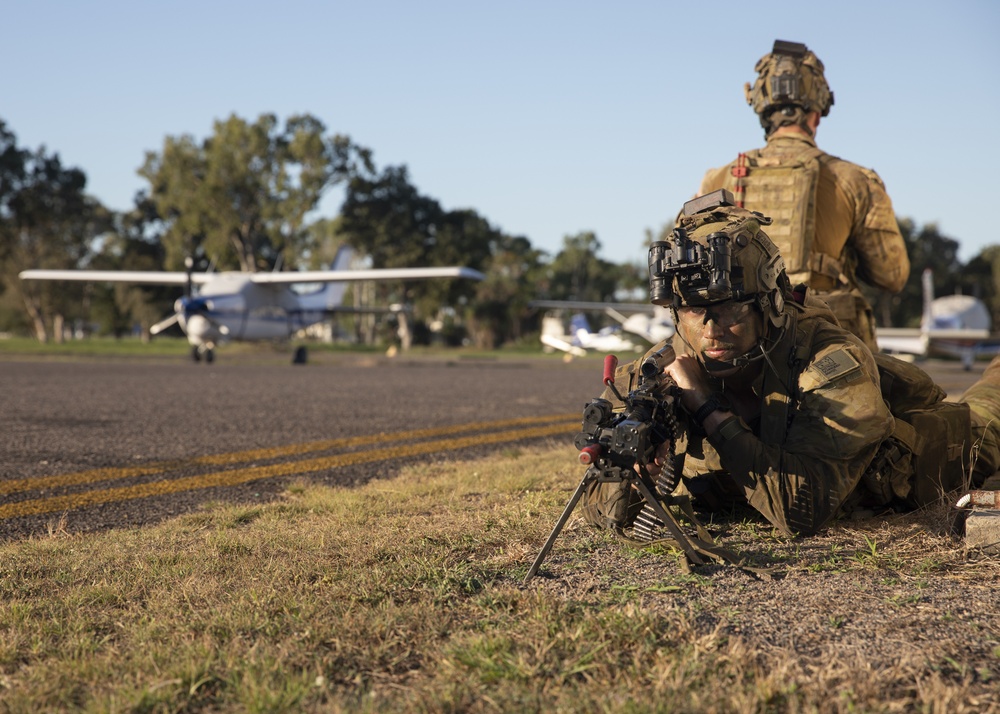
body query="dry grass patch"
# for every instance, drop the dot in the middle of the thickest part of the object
(406, 595)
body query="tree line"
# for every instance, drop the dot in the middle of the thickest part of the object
(247, 197)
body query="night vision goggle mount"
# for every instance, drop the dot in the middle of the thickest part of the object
(702, 271)
(786, 85)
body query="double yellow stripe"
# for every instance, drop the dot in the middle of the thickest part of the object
(255, 473)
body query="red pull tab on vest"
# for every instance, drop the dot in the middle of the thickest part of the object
(610, 365)
(740, 170)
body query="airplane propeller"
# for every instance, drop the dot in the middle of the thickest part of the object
(179, 305)
(164, 324)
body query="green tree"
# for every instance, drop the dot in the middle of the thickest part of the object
(242, 196)
(133, 244)
(500, 311)
(981, 279)
(386, 218)
(926, 248)
(577, 273)
(13, 164)
(47, 221)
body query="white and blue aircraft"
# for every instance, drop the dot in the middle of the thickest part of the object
(951, 326)
(240, 306)
(650, 322)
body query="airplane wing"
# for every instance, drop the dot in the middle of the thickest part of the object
(333, 276)
(560, 344)
(148, 277)
(917, 341)
(901, 339)
(621, 307)
(650, 322)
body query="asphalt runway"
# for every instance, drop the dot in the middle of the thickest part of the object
(95, 444)
(89, 445)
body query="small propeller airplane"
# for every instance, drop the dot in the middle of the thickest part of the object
(650, 322)
(952, 326)
(240, 306)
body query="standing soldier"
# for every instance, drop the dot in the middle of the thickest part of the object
(833, 221)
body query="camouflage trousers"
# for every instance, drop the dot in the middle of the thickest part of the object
(983, 399)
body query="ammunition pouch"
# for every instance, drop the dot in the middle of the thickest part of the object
(852, 312)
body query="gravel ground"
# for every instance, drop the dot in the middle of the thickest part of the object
(894, 603)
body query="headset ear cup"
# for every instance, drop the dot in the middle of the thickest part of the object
(779, 302)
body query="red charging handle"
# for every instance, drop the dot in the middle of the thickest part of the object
(610, 365)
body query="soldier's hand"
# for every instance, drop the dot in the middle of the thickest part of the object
(690, 377)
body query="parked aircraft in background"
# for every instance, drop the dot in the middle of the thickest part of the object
(650, 322)
(239, 306)
(952, 326)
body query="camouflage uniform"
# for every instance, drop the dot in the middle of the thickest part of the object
(833, 221)
(856, 234)
(804, 468)
(827, 426)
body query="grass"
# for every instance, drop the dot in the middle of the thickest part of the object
(406, 595)
(128, 347)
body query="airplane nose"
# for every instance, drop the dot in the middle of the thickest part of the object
(197, 327)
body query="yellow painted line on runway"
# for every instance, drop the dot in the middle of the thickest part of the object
(241, 476)
(236, 457)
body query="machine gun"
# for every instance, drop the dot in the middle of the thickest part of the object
(618, 447)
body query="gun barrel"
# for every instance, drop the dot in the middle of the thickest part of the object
(653, 365)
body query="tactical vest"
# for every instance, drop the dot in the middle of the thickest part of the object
(782, 185)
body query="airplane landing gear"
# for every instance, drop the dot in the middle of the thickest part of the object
(200, 351)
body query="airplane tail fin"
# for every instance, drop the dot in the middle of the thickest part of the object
(342, 260)
(579, 323)
(927, 283)
(331, 294)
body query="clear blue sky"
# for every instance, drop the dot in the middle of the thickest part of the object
(547, 118)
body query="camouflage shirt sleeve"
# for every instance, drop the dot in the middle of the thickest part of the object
(875, 240)
(836, 427)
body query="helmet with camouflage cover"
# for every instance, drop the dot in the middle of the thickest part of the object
(789, 81)
(719, 252)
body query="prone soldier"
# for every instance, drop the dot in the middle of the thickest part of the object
(832, 220)
(786, 410)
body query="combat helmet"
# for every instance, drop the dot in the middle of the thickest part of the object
(719, 252)
(789, 79)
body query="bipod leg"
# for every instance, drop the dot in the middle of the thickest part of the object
(567, 512)
(670, 522)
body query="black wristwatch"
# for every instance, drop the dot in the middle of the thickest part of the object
(714, 403)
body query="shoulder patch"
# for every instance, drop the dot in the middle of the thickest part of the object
(831, 367)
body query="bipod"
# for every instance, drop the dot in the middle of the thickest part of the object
(641, 481)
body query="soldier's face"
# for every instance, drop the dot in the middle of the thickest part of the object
(721, 332)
